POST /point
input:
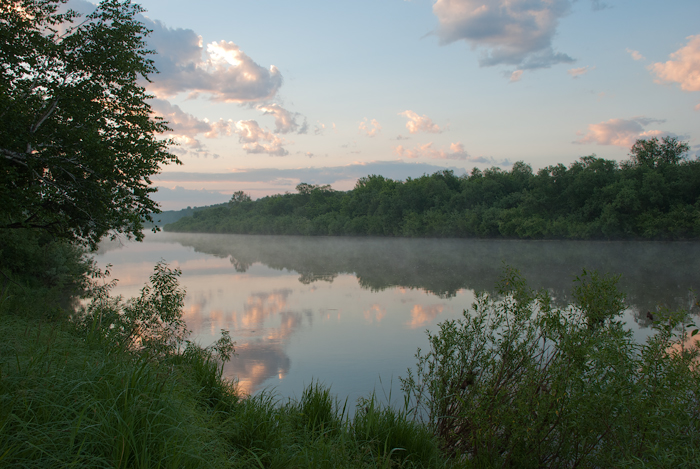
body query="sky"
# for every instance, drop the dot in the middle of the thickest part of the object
(262, 95)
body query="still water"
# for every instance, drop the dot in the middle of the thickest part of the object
(351, 312)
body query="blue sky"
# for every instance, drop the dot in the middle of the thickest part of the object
(265, 94)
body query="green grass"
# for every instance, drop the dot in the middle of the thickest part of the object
(68, 399)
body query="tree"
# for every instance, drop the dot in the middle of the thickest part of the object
(78, 140)
(238, 198)
(305, 188)
(653, 153)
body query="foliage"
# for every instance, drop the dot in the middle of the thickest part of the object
(655, 195)
(519, 383)
(239, 197)
(149, 323)
(653, 153)
(78, 143)
(39, 274)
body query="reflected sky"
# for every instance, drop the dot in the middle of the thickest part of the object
(352, 311)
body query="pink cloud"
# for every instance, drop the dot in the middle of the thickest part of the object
(621, 132)
(456, 152)
(635, 54)
(683, 68)
(418, 123)
(371, 128)
(185, 127)
(255, 139)
(577, 72)
(285, 121)
(516, 76)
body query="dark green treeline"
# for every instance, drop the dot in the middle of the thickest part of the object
(593, 198)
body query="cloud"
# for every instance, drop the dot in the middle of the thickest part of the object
(255, 139)
(577, 72)
(635, 54)
(622, 132)
(179, 121)
(683, 68)
(455, 152)
(697, 107)
(371, 128)
(510, 32)
(418, 123)
(185, 127)
(597, 5)
(516, 76)
(222, 71)
(285, 121)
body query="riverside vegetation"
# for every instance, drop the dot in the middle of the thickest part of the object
(516, 383)
(115, 383)
(653, 195)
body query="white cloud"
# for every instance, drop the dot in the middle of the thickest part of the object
(621, 132)
(371, 128)
(285, 121)
(635, 54)
(577, 72)
(510, 32)
(516, 76)
(222, 72)
(418, 123)
(683, 68)
(255, 139)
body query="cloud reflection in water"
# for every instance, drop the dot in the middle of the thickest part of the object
(372, 299)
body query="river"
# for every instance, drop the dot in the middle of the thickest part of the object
(351, 312)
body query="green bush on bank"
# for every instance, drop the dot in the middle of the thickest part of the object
(519, 383)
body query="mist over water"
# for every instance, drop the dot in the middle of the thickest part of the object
(348, 311)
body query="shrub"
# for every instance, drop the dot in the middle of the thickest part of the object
(519, 383)
(149, 323)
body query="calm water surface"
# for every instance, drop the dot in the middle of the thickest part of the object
(351, 312)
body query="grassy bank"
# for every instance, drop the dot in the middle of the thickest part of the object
(66, 400)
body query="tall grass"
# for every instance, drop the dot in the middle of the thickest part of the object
(63, 403)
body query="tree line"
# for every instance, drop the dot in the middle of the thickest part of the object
(653, 195)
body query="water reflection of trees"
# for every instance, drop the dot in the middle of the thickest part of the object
(654, 274)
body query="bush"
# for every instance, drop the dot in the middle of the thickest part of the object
(151, 323)
(519, 383)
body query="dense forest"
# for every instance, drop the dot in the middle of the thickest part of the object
(653, 195)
